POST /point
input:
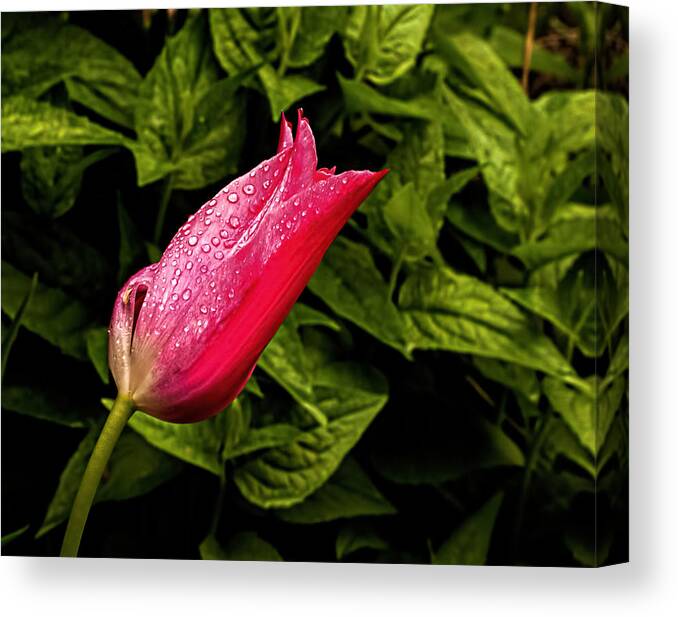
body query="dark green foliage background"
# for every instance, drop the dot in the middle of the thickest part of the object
(451, 388)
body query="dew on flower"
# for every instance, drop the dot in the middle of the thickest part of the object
(189, 265)
(205, 248)
(232, 197)
(234, 221)
(215, 241)
(218, 255)
(186, 295)
(248, 189)
(192, 241)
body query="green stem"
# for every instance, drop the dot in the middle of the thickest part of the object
(115, 423)
(162, 210)
(219, 505)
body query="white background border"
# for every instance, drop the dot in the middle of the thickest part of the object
(645, 587)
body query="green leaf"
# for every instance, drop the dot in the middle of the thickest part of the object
(446, 310)
(348, 493)
(478, 223)
(51, 176)
(479, 63)
(406, 216)
(571, 117)
(282, 92)
(510, 46)
(52, 406)
(187, 123)
(39, 55)
(588, 410)
(51, 314)
(97, 350)
(513, 376)
(9, 336)
(439, 445)
(358, 535)
(350, 396)
(27, 123)
(350, 284)
(134, 469)
(469, 543)
(284, 358)
(10, 537)
(576, 230)
(316, 26)
(200, 443)
(440, 195)
(587, 304)
(235, 41)
(383, 42)
(243, 546)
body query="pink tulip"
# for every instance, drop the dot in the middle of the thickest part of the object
(186, 332)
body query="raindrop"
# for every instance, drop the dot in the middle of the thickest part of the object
(266, 167)
(177, 272)
(231, 293)
(253, 173)
(215, 241)
(189, 265)
(192, 241)
(186, 295)
(203, 269)
(288, 224)
(205, 248)
(175, 297)
(248, 189)
(344, 180)
(232, 197)
(203, 309)
(275, 173)
(173, 282)
(218, 255)
(296, 202)
(267, 183)
(212, 203)
(223, 233)
(234, 221)
(208, 221)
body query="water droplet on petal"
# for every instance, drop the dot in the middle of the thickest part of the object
(232, 197)
(231, 293)
(344, 180)
(266, 167)
(186, 295)
(208, 221)
(205, 248)
(288, 224)
(267, 183)
(234, 221)
(192, 241)
(203, 269)
(213, 202)
(275, 173)
(215, 241)
(248, 189)
(203, 309)
(218, 255)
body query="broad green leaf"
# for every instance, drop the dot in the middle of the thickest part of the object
(358, 535)
(284, 358)
(480, 64)
(588, 411)
(469, 543)
(477, 222)
(571, 117)
(350, 396)
(271, 436)
(50, 405)
(579, 229)
(97, 351)
(348, 493)
(200, 443)
(439, 445)
(510, 46)
(315, 27)
(440, 195)
(587, 304)
(51, 314)
(284, 91)
(407, 218)
(620, 360)
(37, 56)
(243, 546)
(456, 312)
(9, 336)
(135, 468)
(383, 42)
(513, 376)
(187, 123)
(27, 123)
(350, 284)
(51, 176)
(475, 250)
(235, 41)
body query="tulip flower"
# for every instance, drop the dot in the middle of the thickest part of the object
(186, 332)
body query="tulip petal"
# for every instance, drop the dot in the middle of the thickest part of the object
(286, 140)
(274, 267)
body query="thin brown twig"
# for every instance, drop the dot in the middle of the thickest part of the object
(529, 45)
